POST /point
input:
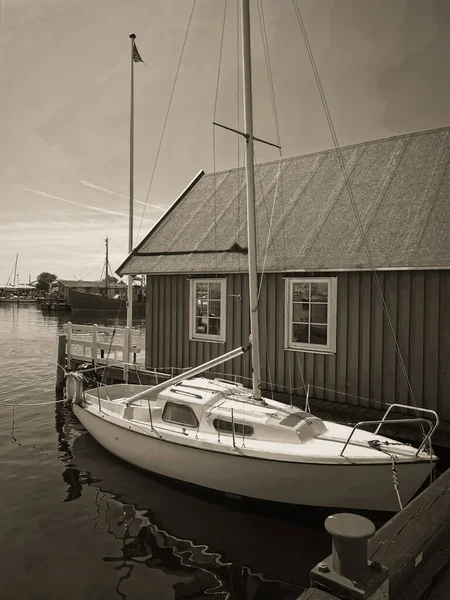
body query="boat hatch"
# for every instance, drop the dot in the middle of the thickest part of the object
(295, 418)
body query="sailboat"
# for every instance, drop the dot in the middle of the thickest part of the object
(14, 293)
(110, 299)
(222, 436)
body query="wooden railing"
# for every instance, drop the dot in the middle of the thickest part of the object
(102, 345)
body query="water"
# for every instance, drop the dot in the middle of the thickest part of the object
(78, 523)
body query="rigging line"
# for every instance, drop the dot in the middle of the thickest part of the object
(114, 242)
(214, 132)
(167, 115)
(269, 69)
(269, 234)
(352, 200)
(269, 220)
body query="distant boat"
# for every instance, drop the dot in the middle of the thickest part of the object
(17, 294)
(108, 299)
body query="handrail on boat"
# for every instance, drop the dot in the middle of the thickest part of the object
(381, 421)
(417, 409)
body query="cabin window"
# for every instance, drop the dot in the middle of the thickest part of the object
(227, 427)
(179, 414)
(310, 320)
(207, 310)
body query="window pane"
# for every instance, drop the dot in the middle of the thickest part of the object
(319, 292)
(214, 290)
(201, 290)
(214, 308)
(300, 312)
(214, 326)
(227, 427)
(319, 334)
(300, 333)
(319, 313)
(180, 414)
(201, 325)
(202, 308)
(300, 292)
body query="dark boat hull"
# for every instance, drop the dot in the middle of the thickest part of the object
(84, 301)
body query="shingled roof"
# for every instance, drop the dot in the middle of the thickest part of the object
(401, 187)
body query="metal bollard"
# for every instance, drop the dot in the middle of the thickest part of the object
(348, 573)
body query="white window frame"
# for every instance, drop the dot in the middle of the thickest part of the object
(289, 344)
(207, 337)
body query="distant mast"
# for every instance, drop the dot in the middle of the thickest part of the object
(15, 270)
(251, 219)
(106, 266)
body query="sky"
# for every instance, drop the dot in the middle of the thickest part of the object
(65, 102)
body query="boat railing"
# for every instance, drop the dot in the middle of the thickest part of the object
(408, 420)
(102, 345)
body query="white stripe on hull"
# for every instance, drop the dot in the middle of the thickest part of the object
(367, 487)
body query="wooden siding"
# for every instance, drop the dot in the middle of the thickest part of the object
(365, 366)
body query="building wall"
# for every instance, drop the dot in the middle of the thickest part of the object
(365, 364)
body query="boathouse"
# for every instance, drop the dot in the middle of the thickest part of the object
(322, 320)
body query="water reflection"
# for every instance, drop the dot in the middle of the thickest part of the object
(161, 527)
(213, 548)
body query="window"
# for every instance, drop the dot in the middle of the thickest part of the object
(179, 414)
(227, 427)
(207, 310)
(310, 322)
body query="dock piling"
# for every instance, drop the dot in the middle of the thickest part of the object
(60, 363)
(348, 573)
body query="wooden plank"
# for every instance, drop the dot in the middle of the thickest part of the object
(263, 333)
(341, 341)
(365, 295)
(403, 332)
(376, 342)
(319, 376)
(169, 331)
(275, 338)
(444, 346)
(416, 340)
(185, 321)
(389, 351)
(177, 349)
(353, 338)
(431, 340)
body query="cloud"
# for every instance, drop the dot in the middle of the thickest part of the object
(102, 189)
(60, 199)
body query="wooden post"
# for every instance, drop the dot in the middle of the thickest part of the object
(61, 362)
(126, 352)
(94, 342)
(69, 343)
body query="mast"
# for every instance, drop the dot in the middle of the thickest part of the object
(251, 219)
(106, 266)
(15, 270)
(130, 222)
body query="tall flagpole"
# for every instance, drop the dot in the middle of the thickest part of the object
(130, 225)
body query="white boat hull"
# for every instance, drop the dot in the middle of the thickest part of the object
(351, 486)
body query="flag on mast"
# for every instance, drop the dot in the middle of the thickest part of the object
(136, 55)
